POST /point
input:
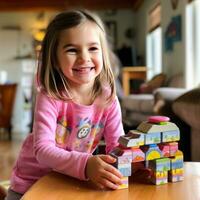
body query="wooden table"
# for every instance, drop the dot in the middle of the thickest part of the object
(131, 73)
(55, 186)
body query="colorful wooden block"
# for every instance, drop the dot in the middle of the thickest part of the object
(123, 156)
(158, 119)
(161, 164)
(173, 148)
(177, 160)
(176, 175)
(152, 152)
(134, 138)
(164, 147)
(159, 178)
(170, 136)
(125, 169)
(137, 154)
(146, 127)
(152, 138)
(124, 184)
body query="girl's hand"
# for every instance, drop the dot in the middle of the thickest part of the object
(100, 171)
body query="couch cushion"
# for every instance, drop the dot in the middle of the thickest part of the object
(139, 103)
(176, 81)
(168, 93)
(187, 107)
(156, 82)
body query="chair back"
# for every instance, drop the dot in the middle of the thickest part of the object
(7, 99)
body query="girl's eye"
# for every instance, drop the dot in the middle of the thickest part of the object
(71, 50)
(93, 49)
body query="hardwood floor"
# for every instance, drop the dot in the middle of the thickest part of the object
(8, 154)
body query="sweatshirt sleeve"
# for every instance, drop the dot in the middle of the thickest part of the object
(113, 127)
(45, 121)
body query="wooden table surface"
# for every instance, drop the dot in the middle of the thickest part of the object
(55, 186)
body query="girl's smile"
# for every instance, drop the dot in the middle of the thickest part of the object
(83, 70)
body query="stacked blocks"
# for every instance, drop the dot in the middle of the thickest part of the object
(154, 142)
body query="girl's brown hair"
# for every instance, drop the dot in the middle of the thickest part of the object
(50, 78)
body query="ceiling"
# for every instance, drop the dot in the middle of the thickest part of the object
(30, 5)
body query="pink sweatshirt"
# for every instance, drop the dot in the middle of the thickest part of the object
(64, 135)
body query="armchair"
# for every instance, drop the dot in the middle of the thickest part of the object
(7, 98)
(187, 108)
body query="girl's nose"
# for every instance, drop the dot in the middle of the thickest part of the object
(84, 57)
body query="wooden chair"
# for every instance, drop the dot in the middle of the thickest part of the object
(7, 99)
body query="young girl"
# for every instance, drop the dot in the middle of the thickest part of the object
(75, 106)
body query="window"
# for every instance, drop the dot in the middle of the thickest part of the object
(192, 44)
(154, 43)
(154, 52)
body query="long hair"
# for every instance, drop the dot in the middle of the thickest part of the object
(49, 76)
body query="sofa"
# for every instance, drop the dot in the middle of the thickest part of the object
(187, 108)
(138, 107)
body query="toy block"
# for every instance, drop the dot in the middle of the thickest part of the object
(154, 145)
(162, 164)
(152, 152)
(125, 169)
(179, 154)
(134, 138)
(137, 154)
(124, 184)
(177, 160)
(152, 138)
(175, 175)
(164, 147)
(170, 136)
(147, 127)
(160, 178)
(123, 156)
(158, 119)
(173, 148)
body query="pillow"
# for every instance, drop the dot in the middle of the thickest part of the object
(156, 82)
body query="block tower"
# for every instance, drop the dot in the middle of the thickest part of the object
(154, 142)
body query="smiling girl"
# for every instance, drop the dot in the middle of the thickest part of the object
(76, 106)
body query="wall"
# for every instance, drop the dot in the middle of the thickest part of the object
(124, 19)
(27, 22)
(174, 61)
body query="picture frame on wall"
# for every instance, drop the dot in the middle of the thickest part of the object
(173, 33)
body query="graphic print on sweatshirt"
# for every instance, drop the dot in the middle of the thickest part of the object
(87, 135)
(62, 131)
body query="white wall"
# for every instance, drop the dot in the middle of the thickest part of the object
(27, 22)
(174, 61)
(124, 19)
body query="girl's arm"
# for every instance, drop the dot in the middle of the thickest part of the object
(113, 127)
(99, 168)
(67, 162)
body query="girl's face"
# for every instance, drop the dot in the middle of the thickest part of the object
(79, 54)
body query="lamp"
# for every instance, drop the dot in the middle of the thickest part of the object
(39, 34)
(38, 31)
